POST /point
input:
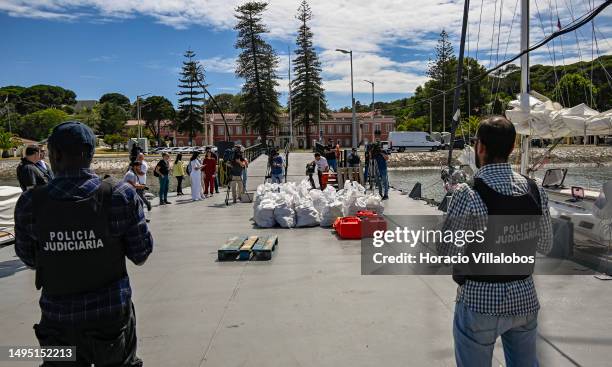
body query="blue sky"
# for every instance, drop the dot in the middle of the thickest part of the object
(136, 46)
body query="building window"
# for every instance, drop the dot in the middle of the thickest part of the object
(330, 129)
(366, 128)
(238, 130)
(248, 143)
(347, 129)
(221, 130)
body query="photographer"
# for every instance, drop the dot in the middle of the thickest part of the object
(236, 166)
(132, 176)
(320, 165)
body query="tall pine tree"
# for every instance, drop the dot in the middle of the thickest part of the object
(306, 87)
(441, 71)
(190, 108)
(256, 65)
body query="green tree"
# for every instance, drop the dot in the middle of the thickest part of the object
(414, 124)
(441, 71)
(572, 86)
(118, 99)
(112, 119)
(113, 139)
(306, 87)
(190, 111)
(227, 102)
(37, 97)
(38, 125)
(256, 65)
(155, 110)
(89, 116)
(7, 142)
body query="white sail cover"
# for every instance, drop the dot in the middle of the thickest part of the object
(549, 120)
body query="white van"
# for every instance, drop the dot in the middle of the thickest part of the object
(413, 140)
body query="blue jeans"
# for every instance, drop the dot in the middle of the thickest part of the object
(384, 177)
(164, 186)
(244, 179)
(475, 335)
(333, 164)
(277, 177)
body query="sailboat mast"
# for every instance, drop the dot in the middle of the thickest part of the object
(456, 111)
(525, 107)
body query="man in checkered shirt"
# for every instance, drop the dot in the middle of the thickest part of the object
(506, 306)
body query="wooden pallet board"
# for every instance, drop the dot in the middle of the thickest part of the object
(231, 248)
(246, 250)
(264, 248)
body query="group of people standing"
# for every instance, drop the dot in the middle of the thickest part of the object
(32, 169)
(203, 175)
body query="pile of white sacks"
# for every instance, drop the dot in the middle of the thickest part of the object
(297, 205)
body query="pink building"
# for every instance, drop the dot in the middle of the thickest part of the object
(337, 127)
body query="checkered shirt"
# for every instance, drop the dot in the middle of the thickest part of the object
(499, 299)
(128, 223)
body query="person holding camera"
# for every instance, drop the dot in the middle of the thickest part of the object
(132, 177)
(319, 165)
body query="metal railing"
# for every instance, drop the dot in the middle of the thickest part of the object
(254, 151)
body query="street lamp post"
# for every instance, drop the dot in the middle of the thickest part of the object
(443, 107)
(373, 111)
(430, 124)
(354, 124)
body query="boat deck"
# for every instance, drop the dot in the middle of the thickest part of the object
(309, 305)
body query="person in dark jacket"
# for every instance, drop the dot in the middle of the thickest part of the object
(162, 171)
(44, 166)
(78, 249)
(29, 174)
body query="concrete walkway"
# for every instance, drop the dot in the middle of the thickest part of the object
(309, 306)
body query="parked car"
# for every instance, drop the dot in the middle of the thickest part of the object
(413, 140)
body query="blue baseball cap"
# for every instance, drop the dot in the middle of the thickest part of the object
(71, 136)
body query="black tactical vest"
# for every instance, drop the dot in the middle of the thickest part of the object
(75, 251)
(513, 228)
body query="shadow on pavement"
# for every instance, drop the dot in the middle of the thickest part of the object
(10, 267)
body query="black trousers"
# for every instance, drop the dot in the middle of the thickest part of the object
(312, 183)
(145, 201)
(179, 184)
(103, 343)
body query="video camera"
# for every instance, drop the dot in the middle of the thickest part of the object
(232, 154)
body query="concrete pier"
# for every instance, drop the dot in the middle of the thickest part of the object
(309, 305)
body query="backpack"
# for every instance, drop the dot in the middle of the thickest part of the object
(189, 168)
(155, 171)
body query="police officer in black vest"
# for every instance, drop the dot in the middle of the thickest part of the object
(497, 299)
(76, 233)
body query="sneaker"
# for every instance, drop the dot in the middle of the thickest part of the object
(162, 203)
(168, 202)
(147, 220)
(386, 197)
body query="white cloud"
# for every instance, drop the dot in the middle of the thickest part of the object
(219, 64)
(369, 28)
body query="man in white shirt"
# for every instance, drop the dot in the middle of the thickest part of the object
(133, 177)
(321, 166)
(142, 176)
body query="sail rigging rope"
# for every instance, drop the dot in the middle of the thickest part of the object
(582, 20)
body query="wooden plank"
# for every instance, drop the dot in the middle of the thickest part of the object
(264, 247)
(247, 247)
(231, 248)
